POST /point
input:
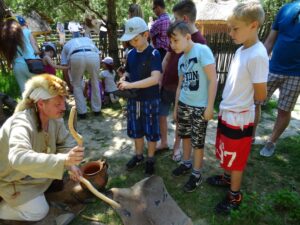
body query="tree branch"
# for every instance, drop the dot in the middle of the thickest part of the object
(86, 6)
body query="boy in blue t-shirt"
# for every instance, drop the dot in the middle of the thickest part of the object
(195, 96)
(143, 72)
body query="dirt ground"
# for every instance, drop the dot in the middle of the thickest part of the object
(106, 136)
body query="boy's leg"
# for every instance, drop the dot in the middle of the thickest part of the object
(138, 158)
(233, 144)
(149, 167)
(195, 179)
(177, 155)
(184, 132)
(134, 130)
(163, 124)
(139, 146)
(236, 180)
(150, 111)
(187, 149)
(198, 135)
(234, 196)
(164, 109)
(186, 163)
(151, 148)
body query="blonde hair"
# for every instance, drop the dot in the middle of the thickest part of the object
(248, 12)
(52, 84)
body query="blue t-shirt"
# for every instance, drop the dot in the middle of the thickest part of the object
(28, 51)
(194, 88)
(139, 66)
(286, 51)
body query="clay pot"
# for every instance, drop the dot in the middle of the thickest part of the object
(96, 173)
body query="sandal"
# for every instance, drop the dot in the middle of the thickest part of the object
(177, 156)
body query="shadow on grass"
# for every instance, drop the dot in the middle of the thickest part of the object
(270, 188)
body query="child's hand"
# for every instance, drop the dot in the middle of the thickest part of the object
(122, 85)
(175, 114)
(208, 114)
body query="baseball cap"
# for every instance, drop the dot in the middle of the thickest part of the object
(46, 45)
(134, 27)
(108, 60)
(21, 20)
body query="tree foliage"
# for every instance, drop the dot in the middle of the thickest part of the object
(65, 10)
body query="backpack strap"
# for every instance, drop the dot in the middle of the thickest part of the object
(145, 70)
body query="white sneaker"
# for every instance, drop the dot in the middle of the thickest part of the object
(268, 150)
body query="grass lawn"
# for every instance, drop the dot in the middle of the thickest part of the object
(270, 188)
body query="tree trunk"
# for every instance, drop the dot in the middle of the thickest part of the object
(4, 12)
(112, 27)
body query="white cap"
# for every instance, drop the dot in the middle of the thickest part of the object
(108, 60)
(134, 27)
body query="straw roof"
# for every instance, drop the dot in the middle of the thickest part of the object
(214, 9)
(36, 23)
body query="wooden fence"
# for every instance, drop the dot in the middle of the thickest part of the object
(215, 32)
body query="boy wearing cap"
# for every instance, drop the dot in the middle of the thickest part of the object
(143, 71)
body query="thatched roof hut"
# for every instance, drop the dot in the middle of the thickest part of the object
(212, 15)
(37, 24)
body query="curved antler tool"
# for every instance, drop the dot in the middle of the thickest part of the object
(79, 140)
(74, 133)
(109, 201)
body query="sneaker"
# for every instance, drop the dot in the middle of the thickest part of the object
(180, 170)
(192, 183)
(218, 180)
(268, 150)
(133, 162)
(149, 168)
(82, 116)
(229, 203)
(97, 113)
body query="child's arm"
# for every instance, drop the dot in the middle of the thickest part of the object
(148, 82)
(260, 91)
(49, 61)
(211, 74)
(177, 97)
(166, 61)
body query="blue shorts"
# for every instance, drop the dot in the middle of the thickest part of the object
(143, 119)
(164, 108)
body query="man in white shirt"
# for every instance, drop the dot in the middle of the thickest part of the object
(74, 28)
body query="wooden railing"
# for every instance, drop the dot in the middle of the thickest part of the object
(215, 31)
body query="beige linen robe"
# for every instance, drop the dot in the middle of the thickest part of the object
(30, 160)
